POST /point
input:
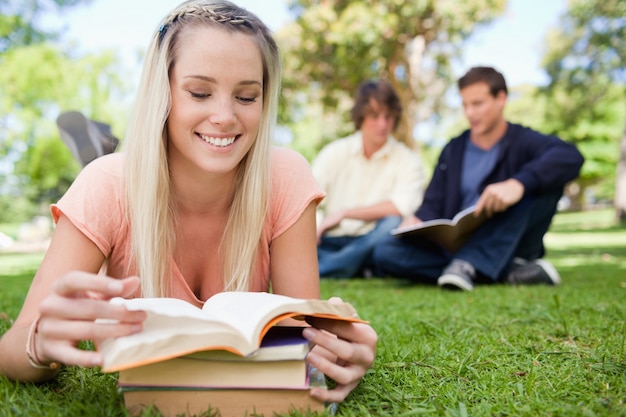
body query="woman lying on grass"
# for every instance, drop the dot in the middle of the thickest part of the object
(197, 203)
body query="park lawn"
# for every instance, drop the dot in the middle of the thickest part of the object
(496, 351)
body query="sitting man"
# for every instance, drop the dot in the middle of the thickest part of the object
(512, 174)
(371, 182)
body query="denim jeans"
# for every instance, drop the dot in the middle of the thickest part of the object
(347, 256)
(517, 232)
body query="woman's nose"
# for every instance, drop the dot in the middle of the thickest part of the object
(222, 112)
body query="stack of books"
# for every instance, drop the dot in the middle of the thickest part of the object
(229, 357)
(275, 379)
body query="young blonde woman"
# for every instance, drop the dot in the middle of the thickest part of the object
(198, 202)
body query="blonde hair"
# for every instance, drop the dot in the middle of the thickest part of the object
(151, 210)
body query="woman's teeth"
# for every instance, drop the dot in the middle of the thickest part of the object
(218, 141)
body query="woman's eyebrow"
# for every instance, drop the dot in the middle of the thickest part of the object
(213, 80)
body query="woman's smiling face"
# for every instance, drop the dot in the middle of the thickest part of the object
(216, 85)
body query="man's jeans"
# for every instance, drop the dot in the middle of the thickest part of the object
(347, 256)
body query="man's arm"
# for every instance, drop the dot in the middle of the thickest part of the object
(550, 164)
(553, 162)
(499, 196)
(366, 213)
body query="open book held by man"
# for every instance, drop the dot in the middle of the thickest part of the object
(451, 234)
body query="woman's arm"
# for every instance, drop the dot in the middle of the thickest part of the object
(68, 296)
(293, 259)
(344, 351)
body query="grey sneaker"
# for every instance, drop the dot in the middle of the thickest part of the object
(538, 271)
(458, 275)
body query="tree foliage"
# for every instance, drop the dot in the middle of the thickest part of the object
(589, 42)
(586, 62)
(41, 82)
(334, 45)
(20, 21)
(594, 132)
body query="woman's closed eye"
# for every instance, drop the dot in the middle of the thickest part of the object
(251, 99)
(242, 99)
(199, 95)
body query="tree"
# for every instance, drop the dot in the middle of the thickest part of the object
(20, 21)
(39, 82)
(586, 62)
(334, 45)
(593, 129)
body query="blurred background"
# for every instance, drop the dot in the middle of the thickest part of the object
(564, 60)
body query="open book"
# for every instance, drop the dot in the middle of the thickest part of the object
(450, 234)
(232, 321)
(279, 363)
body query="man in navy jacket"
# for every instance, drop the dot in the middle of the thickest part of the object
(512, 174)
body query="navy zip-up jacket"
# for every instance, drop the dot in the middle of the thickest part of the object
(540, 162)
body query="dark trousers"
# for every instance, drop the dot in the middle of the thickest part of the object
(517, 232)
(347, 256)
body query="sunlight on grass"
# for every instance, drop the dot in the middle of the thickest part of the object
(610, 238)
(606, 259)
(11, 264)
(584, 220)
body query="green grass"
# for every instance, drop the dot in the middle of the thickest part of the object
(497, 351)
(10, 229)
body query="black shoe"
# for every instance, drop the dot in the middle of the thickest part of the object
(459, 275)
(87, 139)
(534, 272)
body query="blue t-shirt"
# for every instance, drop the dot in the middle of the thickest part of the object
(477, 164)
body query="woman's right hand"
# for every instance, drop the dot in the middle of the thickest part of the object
(70, 311)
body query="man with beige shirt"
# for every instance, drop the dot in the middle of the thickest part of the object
(371, 180)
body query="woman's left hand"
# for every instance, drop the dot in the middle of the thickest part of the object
(344, 351)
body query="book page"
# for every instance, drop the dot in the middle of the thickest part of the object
(172, 307)
(172, 327)
(451, 234)
(234, 321)
(435, 222)
(251, 311)
(245, 310)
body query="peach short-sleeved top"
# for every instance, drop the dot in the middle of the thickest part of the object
(95, 205)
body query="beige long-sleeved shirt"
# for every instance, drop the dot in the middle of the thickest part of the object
(395, 173)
